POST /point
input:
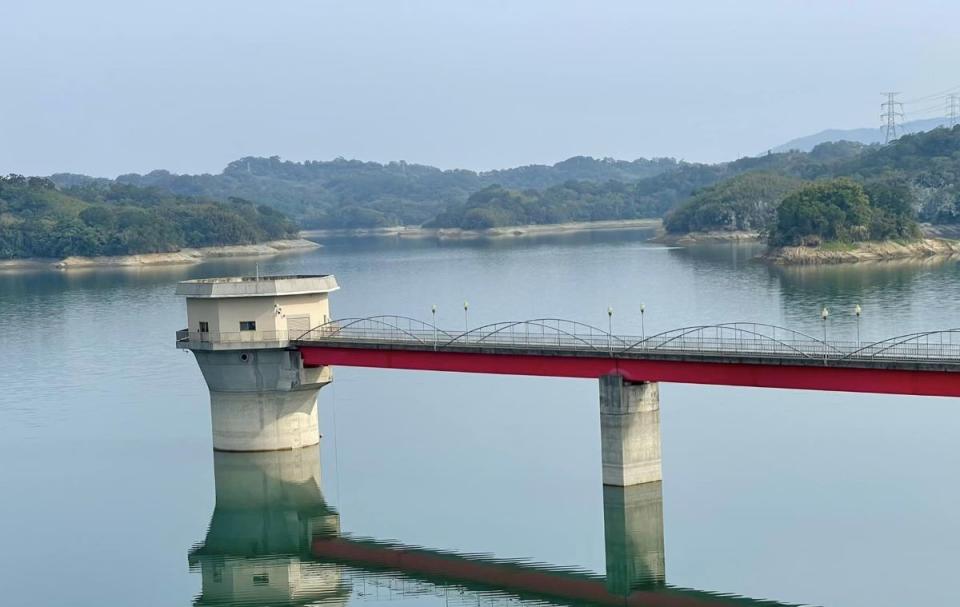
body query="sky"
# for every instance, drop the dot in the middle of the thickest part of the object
(106, 87)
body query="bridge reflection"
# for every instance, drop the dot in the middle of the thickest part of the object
(273, 540)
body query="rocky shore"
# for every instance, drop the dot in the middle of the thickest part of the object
(863, 251)
(183, 256)
(691, 238)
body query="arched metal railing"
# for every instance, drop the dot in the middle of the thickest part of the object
(545, 332)
(383, 327)
(743, 337)
(736, 338)
(912, 345)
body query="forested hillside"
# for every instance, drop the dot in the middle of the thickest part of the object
(355, 194)
(926, 164)
(745, 202)
(651, 197)
(916, 177)
(742, 194)
(39, 220)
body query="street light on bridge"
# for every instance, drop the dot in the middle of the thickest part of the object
(643, 331)
(433, 311)
(466, 325)
(857, 310)
(610, 329)
(824, 313)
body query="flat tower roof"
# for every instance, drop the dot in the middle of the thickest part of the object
(257, 286)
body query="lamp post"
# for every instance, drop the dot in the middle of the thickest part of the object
(433, 310)
(824, 313)
(857, 310)
(643, 331)
(466, 324)
(610, 329)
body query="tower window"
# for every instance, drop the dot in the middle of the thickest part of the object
(204, 326)
(248, 325)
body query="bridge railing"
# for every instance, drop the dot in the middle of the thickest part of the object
(739, 339)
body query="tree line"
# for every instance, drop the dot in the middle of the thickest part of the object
(343, 193)
(39, 220)
(741, 194)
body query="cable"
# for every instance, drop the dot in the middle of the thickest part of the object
(932, 95)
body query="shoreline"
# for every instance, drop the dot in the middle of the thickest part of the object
(864, 251)
(181, 257)
(501, 232)
(711, 237)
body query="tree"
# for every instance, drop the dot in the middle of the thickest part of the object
(835, 210)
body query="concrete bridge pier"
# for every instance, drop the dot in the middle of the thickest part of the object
(629, 431)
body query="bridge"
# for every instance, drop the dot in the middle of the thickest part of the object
(264, 378)
(730, 354)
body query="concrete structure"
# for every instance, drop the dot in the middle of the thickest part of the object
(262, 396)
(629, 431)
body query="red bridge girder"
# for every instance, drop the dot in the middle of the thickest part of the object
(874, 380)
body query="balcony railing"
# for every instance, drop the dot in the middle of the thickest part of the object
(185, 336)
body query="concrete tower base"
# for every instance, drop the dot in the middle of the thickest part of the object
(629, 431)
(262, 399)
(264, 421)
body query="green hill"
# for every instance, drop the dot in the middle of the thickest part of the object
(580, 201)
(741, 194)
(39, 220)
(745, 202)
(916, 177)
(842, 210)
(354, 194)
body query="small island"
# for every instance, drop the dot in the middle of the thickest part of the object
(827, 221)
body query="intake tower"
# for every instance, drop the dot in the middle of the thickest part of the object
(262, 397)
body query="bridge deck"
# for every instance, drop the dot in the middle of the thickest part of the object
(888, 377)
(735, 354)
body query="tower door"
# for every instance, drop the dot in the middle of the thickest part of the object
(297, 326)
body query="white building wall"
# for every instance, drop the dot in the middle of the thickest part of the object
(225, 314)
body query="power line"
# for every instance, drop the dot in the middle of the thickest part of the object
(932, 95)
(892, 112)
(934, 107)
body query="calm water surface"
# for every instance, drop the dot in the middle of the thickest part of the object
(110, 492)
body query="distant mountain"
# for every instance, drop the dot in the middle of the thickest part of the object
(865, 135)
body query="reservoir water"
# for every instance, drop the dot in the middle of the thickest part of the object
(110, 492)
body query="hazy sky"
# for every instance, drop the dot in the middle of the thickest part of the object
(107, 87)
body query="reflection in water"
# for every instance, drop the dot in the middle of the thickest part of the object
(633, 536)
(274, 540)
(257, 550)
